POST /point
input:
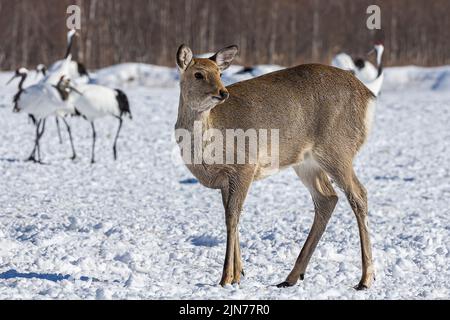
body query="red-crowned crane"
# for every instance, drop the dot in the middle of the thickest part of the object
(94, 102)
(40, 101)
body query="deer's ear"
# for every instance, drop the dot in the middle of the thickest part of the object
(184, 57)
(225, 57)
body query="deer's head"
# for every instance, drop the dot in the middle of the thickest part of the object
(201, 86)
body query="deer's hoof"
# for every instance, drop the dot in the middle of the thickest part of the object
(225, 284)
(233, 282)
(361, 287)
(226, 281)
(365, 283)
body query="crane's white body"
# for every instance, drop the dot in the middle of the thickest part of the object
(42, 100)
(375, 85)
(343, 61)
(95, 101)
(368, 73)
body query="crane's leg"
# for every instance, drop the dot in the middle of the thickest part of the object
(33, 153)
(69, 131)
(94, 136)
(59, 129)
(39, 141)
(117, 137)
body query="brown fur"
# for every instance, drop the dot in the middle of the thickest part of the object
(321, 114)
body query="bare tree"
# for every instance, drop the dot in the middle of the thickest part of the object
(285, 32)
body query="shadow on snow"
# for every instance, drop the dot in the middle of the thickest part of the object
(14, 274)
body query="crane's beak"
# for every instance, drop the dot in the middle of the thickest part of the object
(75, 90)
(11, 80)
(371, 51)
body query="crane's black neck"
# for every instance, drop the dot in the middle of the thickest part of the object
(380, 69)
(69, 47)
(22, 81)
(17, 95)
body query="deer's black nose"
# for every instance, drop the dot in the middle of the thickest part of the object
(224, 94)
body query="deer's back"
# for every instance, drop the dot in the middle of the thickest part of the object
(311, 105)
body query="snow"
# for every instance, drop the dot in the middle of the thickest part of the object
(136, 74)
(142, 228)
(400, 78)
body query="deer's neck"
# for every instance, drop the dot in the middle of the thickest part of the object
(189, 119)
(196, 124)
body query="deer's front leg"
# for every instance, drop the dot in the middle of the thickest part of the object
(233, 199)
(238, 267)
(228, 275)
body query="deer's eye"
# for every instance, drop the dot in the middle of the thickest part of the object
(198, 76)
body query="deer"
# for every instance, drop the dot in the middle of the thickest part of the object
(324, 116)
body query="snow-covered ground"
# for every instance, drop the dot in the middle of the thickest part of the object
(139, 228)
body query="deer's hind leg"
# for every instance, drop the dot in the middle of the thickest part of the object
(325, 199)
(345, 177)
(357, 197)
